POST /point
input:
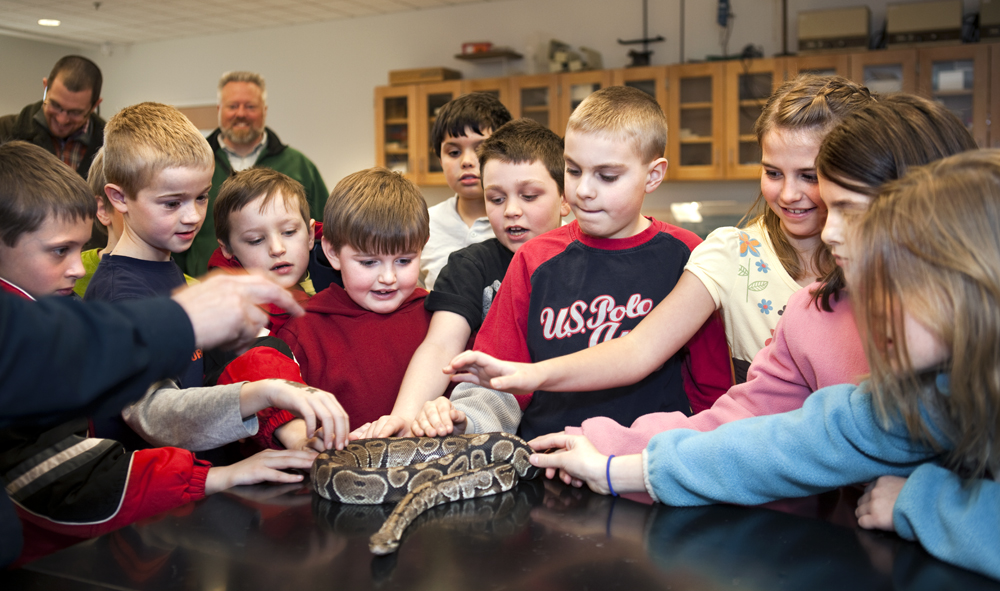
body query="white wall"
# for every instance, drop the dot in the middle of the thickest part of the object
(321, 76)
(23, 64)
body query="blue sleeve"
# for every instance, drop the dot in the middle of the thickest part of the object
(835, 439)
(86, 357)
(955, 521)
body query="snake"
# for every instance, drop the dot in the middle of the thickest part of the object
(418, 473)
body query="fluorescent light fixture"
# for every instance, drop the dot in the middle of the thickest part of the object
(48, 22)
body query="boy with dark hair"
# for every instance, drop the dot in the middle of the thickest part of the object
(460, 127)
(522, 170)
(590, 281)
(64, 122)
(46, 213)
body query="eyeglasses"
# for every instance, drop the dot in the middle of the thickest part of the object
(72, 114)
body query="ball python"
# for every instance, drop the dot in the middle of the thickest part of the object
(419, 473)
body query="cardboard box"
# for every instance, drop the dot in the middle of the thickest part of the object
(923, 23)
(420, 75)
(846, 29)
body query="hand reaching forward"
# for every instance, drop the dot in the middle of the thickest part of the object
(485, 370)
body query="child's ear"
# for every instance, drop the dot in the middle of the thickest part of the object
(117, 197)
(564, 208)
(103, 215)
(331, 254)
(657, 172)
(225, 250)
(312, 234)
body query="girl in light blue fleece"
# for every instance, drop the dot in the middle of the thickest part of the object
(924, 273)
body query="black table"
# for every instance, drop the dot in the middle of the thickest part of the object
(541, 535)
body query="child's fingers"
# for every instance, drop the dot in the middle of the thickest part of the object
(552, 440)
(465, 377)
(359, 433)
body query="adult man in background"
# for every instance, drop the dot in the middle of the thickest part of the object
(242, 141)
(65, 121)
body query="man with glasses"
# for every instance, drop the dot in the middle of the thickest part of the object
(242, 141)
(65, 121)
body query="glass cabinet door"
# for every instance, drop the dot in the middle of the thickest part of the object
(696, 121)
(893, 70)
(576, 86)
(651, 79)
(748, 87)
(534, 97)
(395, 129)
(957, 77)
(431, 98)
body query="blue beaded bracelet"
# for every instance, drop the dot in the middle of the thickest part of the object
(608, 473)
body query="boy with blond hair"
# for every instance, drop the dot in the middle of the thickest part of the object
(460, 127)
(356, 340)
(521, 166)
(589, 281)
(61, 479)
(158, 170)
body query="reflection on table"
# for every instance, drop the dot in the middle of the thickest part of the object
(541, 535)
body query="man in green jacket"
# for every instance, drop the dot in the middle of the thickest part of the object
(242, 141)
(65, 121)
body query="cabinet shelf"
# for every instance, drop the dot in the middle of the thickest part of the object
(500, 53)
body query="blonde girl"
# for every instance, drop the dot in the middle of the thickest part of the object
(926, 279)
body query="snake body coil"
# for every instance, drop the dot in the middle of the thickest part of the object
(419, 473)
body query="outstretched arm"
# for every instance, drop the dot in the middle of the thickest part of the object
(446, 337)
(618, 362)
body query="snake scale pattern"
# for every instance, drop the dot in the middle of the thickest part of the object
(419, 473)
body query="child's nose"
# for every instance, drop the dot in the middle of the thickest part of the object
(469, 158)
(513, 209)
(276, 246)
(387, 276)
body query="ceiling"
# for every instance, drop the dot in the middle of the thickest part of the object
(96, 23)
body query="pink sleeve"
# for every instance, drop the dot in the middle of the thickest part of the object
(779, 380)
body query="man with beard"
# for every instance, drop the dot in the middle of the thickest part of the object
(65, 121)
(242, 141)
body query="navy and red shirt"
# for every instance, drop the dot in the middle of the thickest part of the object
(565, 291)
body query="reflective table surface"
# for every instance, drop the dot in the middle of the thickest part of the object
(541, 535)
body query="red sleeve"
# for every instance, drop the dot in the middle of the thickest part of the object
(707, 369)
(159, 479)
(504, 333)
(219, 261)
(260, 363)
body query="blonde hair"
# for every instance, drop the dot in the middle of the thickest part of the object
(626, 113)
(812, 104)
(929, 247)
(142, 140)
(243, 76)
(376, 211)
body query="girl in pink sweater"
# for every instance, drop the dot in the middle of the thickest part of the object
(816, 343)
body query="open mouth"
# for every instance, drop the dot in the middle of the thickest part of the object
(282, 268)
(516, 231)
(797, 211)
(468, 179)
(383, 294)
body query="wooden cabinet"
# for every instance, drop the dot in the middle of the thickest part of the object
(748, 85)
(958, 77)
(695, 118)
(822, 65)
(498, 87)
(396, 129)
(711, 107)
(993, 139)
(573, 88)
(536, 97)
(893, 70)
